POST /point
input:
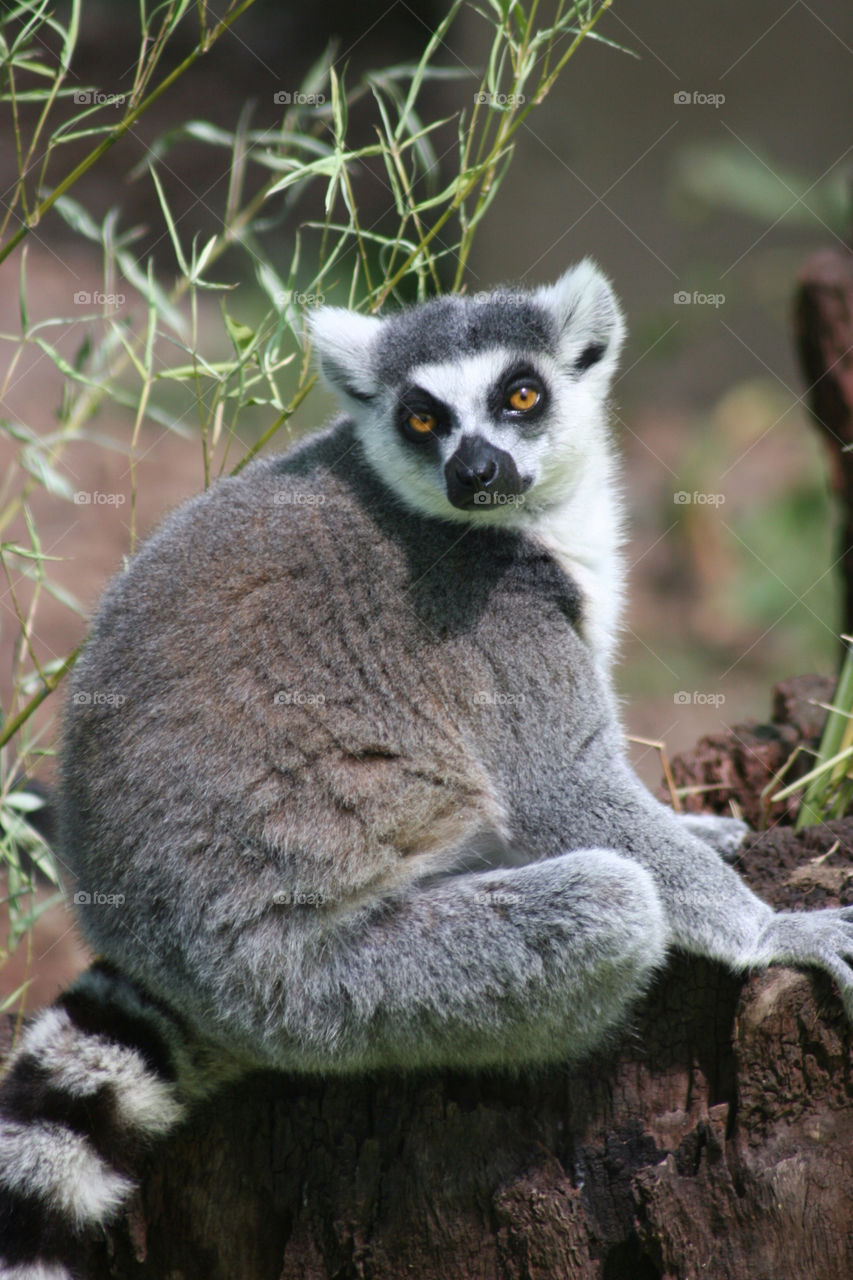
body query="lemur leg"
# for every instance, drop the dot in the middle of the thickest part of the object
(500, 968)
(505, 967)
(726, 835)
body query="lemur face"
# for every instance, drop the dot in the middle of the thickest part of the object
(482, 408)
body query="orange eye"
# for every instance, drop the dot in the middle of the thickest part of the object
(524, 398)
(423, 423)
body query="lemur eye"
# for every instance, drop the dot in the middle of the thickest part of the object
(422, 423)
(523, 398)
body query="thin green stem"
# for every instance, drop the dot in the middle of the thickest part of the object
(121, 129)
(836, 732)
(276, 425)
(11, 727)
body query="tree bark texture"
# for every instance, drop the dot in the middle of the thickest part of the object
(823, 322)
(712, 1140)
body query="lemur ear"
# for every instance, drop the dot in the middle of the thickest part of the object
(588, 318)
(343, 341)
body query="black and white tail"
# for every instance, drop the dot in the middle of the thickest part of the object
(97, 1078)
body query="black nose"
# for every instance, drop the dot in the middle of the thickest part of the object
(480, 475)
(477, 475)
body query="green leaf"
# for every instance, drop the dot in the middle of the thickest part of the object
(83, 352)
(13, 549)
(729, 176)
(173, 231)
(40, 469)
(240, 334)
(151, 291)
(22, 292)
(17, 430)
(78, 218)
(436, 39)
(24, 801)
(9, 1002)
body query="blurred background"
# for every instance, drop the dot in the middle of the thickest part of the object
(699, 164)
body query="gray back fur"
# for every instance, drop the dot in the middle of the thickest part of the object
(322, 697)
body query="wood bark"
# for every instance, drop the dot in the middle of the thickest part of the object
(823, 322)
(712, 1140)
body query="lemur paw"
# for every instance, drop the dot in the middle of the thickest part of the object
(821, 938)
(726, 835)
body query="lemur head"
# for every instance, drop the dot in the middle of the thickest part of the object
(485, 408)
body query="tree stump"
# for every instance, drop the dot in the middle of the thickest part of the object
(823, 323)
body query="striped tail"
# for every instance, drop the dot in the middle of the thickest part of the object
(97, 1078)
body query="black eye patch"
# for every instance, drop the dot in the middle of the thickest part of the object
(519, 377)
(589, 356)
(421, 417)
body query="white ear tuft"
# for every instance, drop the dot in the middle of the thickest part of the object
(343, 341)
(588, 317)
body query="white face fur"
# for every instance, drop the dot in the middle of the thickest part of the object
(471, 400)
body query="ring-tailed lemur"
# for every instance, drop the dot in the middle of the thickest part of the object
(343, 786)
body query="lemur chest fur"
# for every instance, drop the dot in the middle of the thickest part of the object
(584, 535)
